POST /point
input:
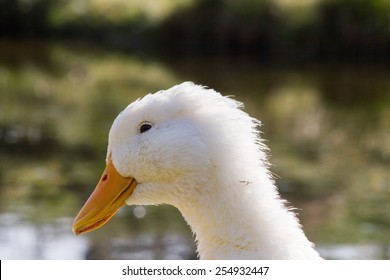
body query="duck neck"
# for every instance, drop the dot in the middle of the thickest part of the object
(245, 219)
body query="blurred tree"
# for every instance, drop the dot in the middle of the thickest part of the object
(278, 29)
(354, 27)
(24, 18)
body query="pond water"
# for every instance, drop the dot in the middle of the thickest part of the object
(327, 126)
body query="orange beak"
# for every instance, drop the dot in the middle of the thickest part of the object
(109, 195)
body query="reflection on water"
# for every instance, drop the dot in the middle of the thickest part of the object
(354, 251)
(327, 126)
(21, 240)
(26, 241)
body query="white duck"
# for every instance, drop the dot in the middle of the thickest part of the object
(190, 147)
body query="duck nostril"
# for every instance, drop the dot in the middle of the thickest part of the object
(104, 177)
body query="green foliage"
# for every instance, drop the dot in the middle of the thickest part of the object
(354, 27)
(25, 18)
(298, 30)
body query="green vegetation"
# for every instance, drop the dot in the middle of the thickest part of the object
(275, 29)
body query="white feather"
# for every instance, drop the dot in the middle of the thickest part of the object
(204, 156)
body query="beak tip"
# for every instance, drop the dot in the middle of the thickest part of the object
(104, 201)
(75, 230)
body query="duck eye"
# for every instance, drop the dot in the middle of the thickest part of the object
(145, 127)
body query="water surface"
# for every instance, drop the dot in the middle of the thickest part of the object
(327, 127)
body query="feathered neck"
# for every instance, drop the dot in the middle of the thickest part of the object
(245, 219)
(237, 212)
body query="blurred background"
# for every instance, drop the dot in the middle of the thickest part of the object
(316, 72)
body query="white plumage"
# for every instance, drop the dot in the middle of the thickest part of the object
(202, 154)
